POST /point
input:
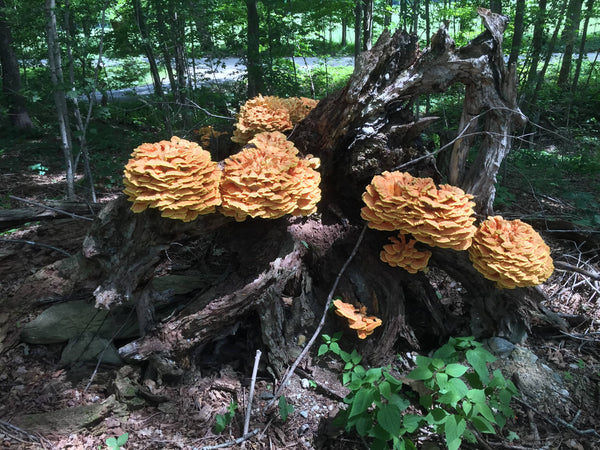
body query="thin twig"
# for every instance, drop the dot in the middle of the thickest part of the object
(230, 443)
(251, 395)
(37, 244)
(66, 213)
(555, 421)
(307, 347)
(208, 113)
(572, 268)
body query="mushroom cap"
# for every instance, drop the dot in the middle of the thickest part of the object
(357, 318)
(177, 177)
(511, 253)
(401, 253)
(267, 179)
(440, 217)
(269, 113)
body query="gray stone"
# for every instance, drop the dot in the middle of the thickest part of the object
(86, 347)
(500, 347)
(64, 321)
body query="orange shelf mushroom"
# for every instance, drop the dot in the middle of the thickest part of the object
(177, 177)
(357, 318)
(440, 217)
(511, 253)
(401, 253)
(268, 179)
(269, 113)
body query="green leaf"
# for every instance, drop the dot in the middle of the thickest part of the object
(385, 389)
(437, 363)
(363, 424)
(426, 401)
(467, 407)
(355, 357)
(323, 348)
(412, 422)
(437, 416)
(478, 358)
(122, 440)
(453, 430)
(399, 401)
(111, 442)
(285, 409)
(483, 425)
(476, 395)
(456, 370)
(442, 381)
(390, 419)
(420, 373)
(373, 374)
(485, 411)
(362, 401)
(423, 361)
(335, 348)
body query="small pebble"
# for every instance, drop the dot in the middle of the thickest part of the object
(305, 383)
(304, 414)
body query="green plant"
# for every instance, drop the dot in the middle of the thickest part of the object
(454, 395)
(222, 420)
(115, 443)
(285, 409)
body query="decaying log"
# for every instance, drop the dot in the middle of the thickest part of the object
(10, 218)
(268, 280)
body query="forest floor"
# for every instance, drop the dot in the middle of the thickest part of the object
(182, 414)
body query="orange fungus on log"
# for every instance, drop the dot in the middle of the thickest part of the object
(177, 177)
(511, 253)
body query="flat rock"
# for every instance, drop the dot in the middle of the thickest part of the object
(64, 321)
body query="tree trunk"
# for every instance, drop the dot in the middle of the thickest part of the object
(358, 13)
(255, 81)
(56, 74)
(536, 43)
(11, 78)
(274, 276)
(519, 27)
(367, 24)
(569, 35)
(582, 55)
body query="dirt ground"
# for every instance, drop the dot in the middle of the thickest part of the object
(181, 414)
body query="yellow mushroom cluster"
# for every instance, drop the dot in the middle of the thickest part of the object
(511, 253)
(267, 179)
(402, 253)
(441, 217)
(269, 113)
(177, 177)
(357, 318)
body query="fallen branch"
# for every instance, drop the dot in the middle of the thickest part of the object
(555, 421)
(571, 268)
(60, 211)
(37, 244)
(230, 443)
(251, 394)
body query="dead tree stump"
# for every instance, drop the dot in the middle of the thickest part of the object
(269, 279)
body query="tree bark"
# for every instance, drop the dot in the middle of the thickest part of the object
(519, 19)
(255, 80)
(569, 35)
(56, 75)
(274, 276)
(11, 77)
(581, 57)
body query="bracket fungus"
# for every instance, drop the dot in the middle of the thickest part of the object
(267, 179)
(402, 253)
(357, 318)
(440, 217)
(511, 253)
(269, 113)
(177, 177)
